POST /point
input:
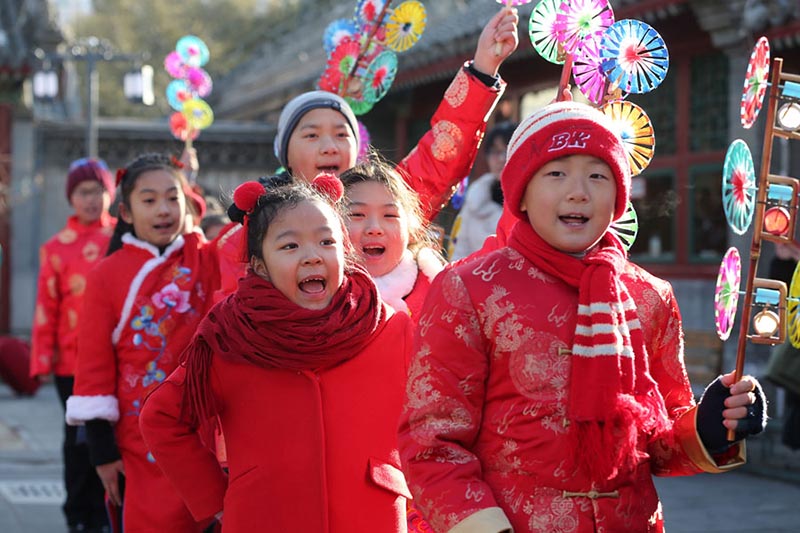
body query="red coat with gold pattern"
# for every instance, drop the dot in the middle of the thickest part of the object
(484, 434)
(64, 262)
(440, 160)
(141, 308)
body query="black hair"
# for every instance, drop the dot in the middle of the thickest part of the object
(127, 178)
(502, 130)
(281, 192)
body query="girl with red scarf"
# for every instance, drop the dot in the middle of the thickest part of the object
(548, 385)
(141, 306)
(303, 367)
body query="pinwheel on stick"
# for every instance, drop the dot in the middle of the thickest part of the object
(186, 92)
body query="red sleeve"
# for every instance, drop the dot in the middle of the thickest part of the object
(44, 334)
(180, 451)
(445, 154)
(95, 390)
(443, 409)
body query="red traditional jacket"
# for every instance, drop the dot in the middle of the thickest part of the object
(484, 434)
(406, 286)
(141, 308)
(441, 159)
(64, 262)
(311, 451)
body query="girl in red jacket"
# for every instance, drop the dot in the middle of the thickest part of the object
(64, 263)
(318, 132)
(142, 304)
(388, 232)
(548, 385)
(304, 367)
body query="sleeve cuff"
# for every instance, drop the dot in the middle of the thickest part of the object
(101, 442)
(486, 79)
(686, 431)
(489, 520)
(83, 408)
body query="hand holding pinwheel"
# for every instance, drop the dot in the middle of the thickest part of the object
(497, 41)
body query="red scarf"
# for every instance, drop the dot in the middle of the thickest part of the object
(257, 324)
(611, 394)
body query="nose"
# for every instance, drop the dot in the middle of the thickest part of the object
(373, 226)
(328, 145)
(578, 191)
(312, 257)
(163, 207)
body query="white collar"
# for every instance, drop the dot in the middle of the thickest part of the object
(398, 283)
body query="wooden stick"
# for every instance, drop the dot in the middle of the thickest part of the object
(566, 73)
(758, 225)
(498, 46)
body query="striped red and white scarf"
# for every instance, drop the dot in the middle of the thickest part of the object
(612, 398)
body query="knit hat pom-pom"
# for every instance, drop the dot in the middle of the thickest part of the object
(247, 194)
(329, 185)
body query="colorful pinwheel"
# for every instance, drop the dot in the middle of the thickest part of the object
(792, 308)
(542, 30)
(634, 56)
(726, 293)
(755, 83)
(627, 227)
(636, 131)
(341, 64)
(190, 85)
(581, 20)
(588, 72)
(738, 187)
(379, 76)
(405, 25)
(335, 32)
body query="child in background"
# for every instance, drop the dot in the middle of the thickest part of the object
(318, 132)
(548, 383)
(64, 262)
(142, 304)
(387, 231)
(483, 201)
(304, 368)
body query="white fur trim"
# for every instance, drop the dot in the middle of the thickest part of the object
(83, 408)
(398, 283)
(429, 263)
(136, 284)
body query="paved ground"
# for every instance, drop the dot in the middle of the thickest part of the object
(31, 491)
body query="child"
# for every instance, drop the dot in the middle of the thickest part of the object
(65, 261)
(548, 383)
(142, 304)
(318, 132)
(304, 368)
(386, 227)
(483, 202)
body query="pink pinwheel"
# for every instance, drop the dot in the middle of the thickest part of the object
(726, 293)
(755, 83)
(588, 73)
(578, 21)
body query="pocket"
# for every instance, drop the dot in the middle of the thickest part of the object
(389, 477)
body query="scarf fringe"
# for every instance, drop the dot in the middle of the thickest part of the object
(198, 408)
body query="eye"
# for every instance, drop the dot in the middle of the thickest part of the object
(598, 176)
(288, 246)
(328, 242)
(356, 214)
(310, 135)
(148, 200)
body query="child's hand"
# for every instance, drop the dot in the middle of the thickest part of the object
(738, 404)
(109, 475)
(498, 40)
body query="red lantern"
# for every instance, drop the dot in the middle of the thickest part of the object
(776, 221)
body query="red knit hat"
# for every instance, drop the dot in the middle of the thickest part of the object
(558, 130)
(86, 169)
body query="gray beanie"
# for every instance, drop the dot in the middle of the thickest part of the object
(299, 106)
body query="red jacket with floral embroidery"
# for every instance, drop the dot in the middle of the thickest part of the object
(442, 158)
(140, 311)
(64, 262)
(484, 434)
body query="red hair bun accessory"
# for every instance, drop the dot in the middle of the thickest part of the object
(247, 194)
(329, 185)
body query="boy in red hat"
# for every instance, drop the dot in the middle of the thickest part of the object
(548, 384)
(64, 262)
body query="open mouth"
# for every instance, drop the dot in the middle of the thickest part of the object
(331, 169)
(164, 226)
(373, 250)
(312, 285)
(573, 220)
